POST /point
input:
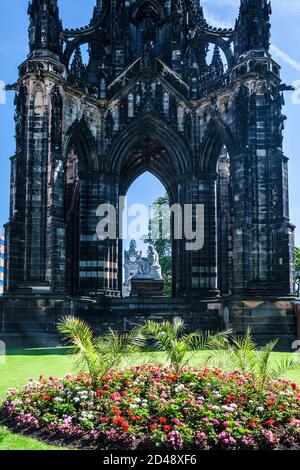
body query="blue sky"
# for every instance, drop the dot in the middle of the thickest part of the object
(285, 40)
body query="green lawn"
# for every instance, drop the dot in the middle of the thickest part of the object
(23, 365)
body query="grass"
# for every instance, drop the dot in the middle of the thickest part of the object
(22, 365)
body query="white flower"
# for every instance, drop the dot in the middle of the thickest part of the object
(260, 409)
(227, 408)
(180, 388)
(16, 402)
(58, 400)
(76, 400)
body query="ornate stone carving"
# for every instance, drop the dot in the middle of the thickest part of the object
(149, 267)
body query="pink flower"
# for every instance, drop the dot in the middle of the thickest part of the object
(175, 440)
(200, 439)
(226, 440)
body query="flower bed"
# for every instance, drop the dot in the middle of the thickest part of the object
(153, 407)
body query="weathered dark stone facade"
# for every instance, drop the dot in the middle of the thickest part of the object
(162, 91)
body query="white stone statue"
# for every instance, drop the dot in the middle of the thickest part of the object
(149, 268)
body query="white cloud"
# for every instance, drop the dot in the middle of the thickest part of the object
(275, 51)
(216, 20)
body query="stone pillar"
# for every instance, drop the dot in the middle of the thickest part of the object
(198, 263)
(98, 268)
(36, 187)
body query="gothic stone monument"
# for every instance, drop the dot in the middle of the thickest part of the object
(162, 91)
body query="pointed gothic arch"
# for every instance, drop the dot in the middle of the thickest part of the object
(157, 130)
(217, 136)
(155, 5)
(80, 136)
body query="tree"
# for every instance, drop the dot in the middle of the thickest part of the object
(179, 347)
(243, 354)
(98, 354)
(159, 236)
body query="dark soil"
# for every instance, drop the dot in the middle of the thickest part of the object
(86, 443)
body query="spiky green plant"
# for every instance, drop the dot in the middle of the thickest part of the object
(243, 354)
(98, 354)
(178, 347)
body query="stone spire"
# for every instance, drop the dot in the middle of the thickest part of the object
(98, 9)
(254, 25)
(78, 68)
(217, 62)
(45, 26)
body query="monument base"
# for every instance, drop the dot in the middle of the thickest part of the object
(31, 321)
(147, 287)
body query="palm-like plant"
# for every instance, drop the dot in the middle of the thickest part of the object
(243, 354)
(98, 354)
(179, 347)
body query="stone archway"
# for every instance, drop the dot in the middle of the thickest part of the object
(148, 155)
(150, 145)
(80, 162)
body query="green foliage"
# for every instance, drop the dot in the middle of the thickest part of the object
(179, 347)
(159, 236)
(244, 355)
(98, 354)
(297, 260)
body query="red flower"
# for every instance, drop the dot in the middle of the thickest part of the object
(166, 427)
(117, 413)
(45, 397)
(119, 421)
(88, 383)
(101, 392)
(104, 420)
(281, 408)
(136, 419)
(162, 420)
(270, 422)
(125, 427)
(153, 426)
(170, 378)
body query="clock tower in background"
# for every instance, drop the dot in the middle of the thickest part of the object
(131, 266)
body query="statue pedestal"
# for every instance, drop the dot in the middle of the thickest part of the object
(147, 287)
